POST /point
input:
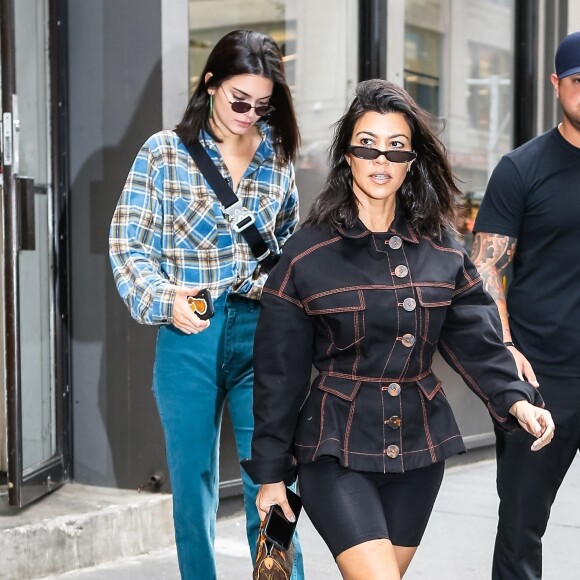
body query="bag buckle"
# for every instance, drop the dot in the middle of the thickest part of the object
(240, 217)
(264, 255)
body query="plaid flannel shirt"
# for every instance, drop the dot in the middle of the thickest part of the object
(169, 229)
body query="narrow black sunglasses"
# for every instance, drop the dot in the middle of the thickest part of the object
(392, 155)
(243, 107)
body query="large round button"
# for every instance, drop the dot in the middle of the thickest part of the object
(401, 271)
(409, 304)
(392, 451)
(408, 340)
(393, 422)
(394, 389)
(395, 242)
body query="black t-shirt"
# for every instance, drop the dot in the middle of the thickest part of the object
(534, 195)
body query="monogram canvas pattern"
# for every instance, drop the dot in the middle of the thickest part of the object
(272, 563)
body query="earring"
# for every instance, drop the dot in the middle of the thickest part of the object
(211, 106)
(408, 167)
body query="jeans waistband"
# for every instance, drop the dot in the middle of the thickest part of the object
(236, 300)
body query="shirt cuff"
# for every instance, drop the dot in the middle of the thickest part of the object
(163, 309)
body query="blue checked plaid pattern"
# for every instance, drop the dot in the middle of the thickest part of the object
(169, 230)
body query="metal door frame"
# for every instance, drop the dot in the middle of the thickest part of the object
(24, 488)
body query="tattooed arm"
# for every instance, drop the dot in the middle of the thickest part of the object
(492, 254)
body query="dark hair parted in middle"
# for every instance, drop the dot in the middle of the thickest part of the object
(245, 52)
(428, 195)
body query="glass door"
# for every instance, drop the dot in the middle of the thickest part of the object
(34, 397)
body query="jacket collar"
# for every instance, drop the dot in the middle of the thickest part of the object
(400, 227)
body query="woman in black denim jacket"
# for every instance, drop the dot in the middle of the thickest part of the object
(366, 292)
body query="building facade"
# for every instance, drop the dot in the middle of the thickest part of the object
(84, 84)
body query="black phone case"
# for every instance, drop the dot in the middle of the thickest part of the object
(278, 529)
(205, 295)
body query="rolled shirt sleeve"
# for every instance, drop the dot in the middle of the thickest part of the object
(135, 243)
(287, 218)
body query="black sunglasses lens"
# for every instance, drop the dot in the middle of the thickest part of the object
(400, 156)
(370, 153)
(240, 107)
(365, 152)
(264, 110)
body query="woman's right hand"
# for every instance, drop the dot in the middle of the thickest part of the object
(536, 421)
(271, 494)
(183, 316)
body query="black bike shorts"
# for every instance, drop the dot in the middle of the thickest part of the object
(350, 507)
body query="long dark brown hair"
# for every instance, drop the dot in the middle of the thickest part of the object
(429, 194)
(243, 52)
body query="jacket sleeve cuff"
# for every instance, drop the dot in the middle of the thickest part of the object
(271, 470)
(517, 391)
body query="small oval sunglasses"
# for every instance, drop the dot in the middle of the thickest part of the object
(243, 107)
(392, 155)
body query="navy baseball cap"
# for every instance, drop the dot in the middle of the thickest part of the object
(568, 56)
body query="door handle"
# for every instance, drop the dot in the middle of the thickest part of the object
(25, 212)
(7, 139)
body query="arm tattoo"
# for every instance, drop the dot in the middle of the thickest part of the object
(492, 254)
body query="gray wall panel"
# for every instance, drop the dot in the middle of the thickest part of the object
(115, 104)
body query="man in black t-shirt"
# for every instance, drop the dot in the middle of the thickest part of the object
(530, 216)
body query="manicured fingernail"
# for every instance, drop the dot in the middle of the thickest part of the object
(292, 519)
(535, 446)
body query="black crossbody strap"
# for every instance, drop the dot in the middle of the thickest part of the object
(242, 220)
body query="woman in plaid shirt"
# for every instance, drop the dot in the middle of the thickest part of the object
(170, 238)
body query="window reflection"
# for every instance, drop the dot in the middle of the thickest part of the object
(201, 41)
(318, 41)
(459, 66)
(489, 87)
(423, 67)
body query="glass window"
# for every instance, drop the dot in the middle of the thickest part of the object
(423, 66)
(320, 68)
(459, 66)
(489, 86)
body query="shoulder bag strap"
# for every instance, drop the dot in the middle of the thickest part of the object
(242, 220)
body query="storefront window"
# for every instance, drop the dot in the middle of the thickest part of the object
(320, 64)
(459, 58)
(423, 67)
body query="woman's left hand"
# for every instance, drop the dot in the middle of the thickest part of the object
(271, 494)
(537, 422)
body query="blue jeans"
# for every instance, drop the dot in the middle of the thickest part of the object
(194, 376)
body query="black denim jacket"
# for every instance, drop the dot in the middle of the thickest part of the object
(369, 310)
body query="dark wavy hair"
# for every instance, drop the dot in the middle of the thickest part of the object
(243, 52)
(429, 194)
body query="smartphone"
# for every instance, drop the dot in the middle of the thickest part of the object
(202, 304)
(278, 529)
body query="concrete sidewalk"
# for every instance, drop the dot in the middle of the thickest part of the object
(457, 545)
